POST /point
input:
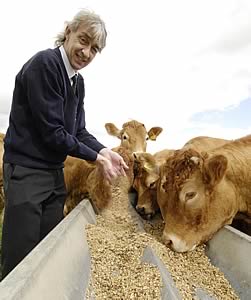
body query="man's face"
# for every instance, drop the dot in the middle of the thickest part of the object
(79, 48)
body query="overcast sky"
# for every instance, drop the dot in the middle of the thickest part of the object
(184, 65)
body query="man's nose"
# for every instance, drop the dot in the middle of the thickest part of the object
(86, 51)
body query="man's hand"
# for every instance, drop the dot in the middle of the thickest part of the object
(106, 167)
(112, 163)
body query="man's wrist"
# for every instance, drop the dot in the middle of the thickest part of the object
(103, 151)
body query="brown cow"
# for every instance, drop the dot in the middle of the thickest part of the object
(204, 143)
(199, 193)
(146, 174)
(85, 179)
(133, 135)
(147, 167)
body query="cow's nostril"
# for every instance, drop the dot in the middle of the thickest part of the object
(140, 209)
(167, 242)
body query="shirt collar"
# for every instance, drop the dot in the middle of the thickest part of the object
(70, 71)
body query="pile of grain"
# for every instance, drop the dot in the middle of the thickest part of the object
(116, 245)
(190, 270)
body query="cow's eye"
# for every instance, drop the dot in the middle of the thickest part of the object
(147, 138)
(190, 195)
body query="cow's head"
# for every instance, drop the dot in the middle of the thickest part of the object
(146, 174)
(193, 196)
(133, 135)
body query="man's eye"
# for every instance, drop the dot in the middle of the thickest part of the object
(83, 41)
(95, 50)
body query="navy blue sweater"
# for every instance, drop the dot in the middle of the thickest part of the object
(47, 120)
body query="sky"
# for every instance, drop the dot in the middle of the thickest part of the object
(182, 65)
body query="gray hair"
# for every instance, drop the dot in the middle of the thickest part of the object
(94, 25)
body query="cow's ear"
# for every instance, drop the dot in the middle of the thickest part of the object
(214, 169)
(146, 160)
(151, 180)
(149, 166)
(154, 132)
(113, 130)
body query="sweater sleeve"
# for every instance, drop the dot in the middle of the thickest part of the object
(47, 107)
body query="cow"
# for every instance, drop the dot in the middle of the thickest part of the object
(85, 180)
(133, 135)
(147, 167)
(200, 192)
(204, 143)
(146, 174)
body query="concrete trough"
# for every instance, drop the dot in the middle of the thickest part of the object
(59, 267)
(230, 250)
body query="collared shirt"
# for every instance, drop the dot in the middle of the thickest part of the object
(70, 71)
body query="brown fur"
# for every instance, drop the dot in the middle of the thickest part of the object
(204, 143)
(146, 172)
(84, 179)
(179, 167)
(198, 193)
(147, 206)
(133, 135)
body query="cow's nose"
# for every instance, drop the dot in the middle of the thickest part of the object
(168, 243)
(167, 240)
(174, 242)
(140, 210)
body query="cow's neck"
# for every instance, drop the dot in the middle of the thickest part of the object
(238, 176)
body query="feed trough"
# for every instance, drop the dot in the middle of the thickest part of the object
(59, 267)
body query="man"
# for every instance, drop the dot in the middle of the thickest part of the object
(47, 123)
